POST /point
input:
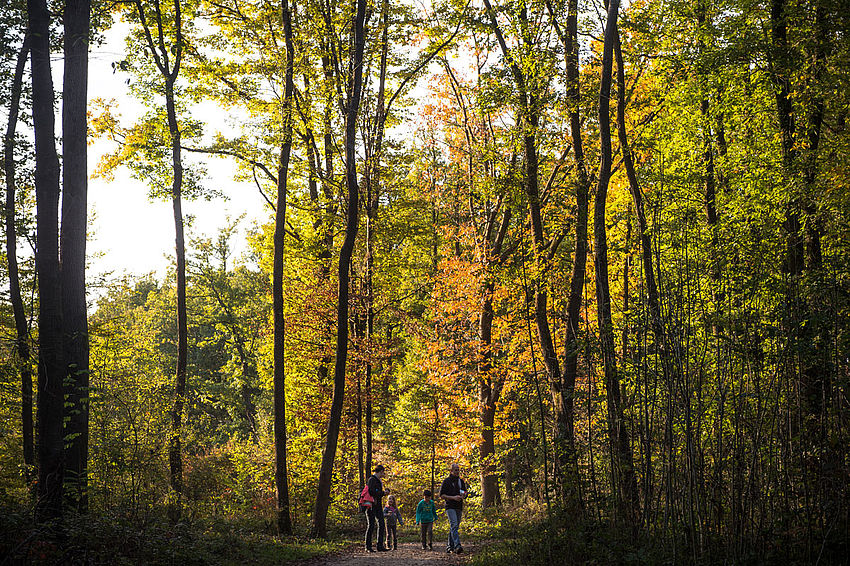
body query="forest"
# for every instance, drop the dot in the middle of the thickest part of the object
(595, 252)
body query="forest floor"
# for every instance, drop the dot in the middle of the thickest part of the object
(407, 554)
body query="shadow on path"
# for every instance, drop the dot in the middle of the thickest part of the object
(408, 554)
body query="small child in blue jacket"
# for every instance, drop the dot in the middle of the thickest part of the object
(426, 514)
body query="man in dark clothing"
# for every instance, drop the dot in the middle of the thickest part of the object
(375, 513)
(453, 492)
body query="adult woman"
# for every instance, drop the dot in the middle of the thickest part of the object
(375, 513)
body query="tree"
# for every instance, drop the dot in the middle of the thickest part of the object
(284, 522)
(167, 58)
(352, 104)
(21, 324)
(51, 368)
(73, 247)
(621, 449)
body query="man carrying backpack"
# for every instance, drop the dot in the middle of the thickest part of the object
(374, 512)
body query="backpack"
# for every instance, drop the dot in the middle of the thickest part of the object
(366, 500)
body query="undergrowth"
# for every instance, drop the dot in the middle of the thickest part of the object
(113, 540)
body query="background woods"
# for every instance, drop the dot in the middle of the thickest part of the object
(596, 253)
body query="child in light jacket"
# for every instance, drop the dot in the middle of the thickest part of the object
(391, 515)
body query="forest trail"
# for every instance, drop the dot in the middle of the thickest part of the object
(408, 554)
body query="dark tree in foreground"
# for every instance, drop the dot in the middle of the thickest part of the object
(73, 249)
(51, 368)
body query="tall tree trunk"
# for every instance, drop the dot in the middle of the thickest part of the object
(373, 185)
(284, 521)
(563, 390)
(169, 70)
(529, 119)
(22, 346)
(51, 369)
(624, 475)
(489, 386)
(352, 106)
(73, 249)
(175, 457)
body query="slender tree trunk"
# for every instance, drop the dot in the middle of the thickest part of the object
(175, 457)
(284, 521)
(51, 368)
(73, 249)
(565, 450)
(529, 119)
(489, 385)
(326, 225)
(624, 476)
(22, 346)
(168, 62)
(373, 185)
(352, 106)
(487, 396)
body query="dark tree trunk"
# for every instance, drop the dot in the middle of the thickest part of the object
(284, 522)
(373, 185)
(563, 391)
(529, 119)
(175, 457)
(51, 367)
(73, 250)
(22, 346)
(489, 386)
(323, 494)
(624, 475)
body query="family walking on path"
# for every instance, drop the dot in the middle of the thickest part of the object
(383, 519)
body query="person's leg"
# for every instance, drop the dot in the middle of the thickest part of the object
(454, 522)
(458, 546)
(389, 535)
(382, 530)
(395, 538)
(370, 528)
(422, 532)
(430, 536)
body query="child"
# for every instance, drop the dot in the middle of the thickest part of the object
(391, 514)
(426, 514)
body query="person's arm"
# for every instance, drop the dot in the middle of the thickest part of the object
(419, 507)
(398, 514)
(443, 489)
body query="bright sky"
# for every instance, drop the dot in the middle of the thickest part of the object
(129, 232)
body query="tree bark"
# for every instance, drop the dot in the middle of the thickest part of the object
(73, 249)
(351, 109)
(489, 388)
(373, 183)
(51, 369)
(563, 390)
(624, 476)
(284, 522)
(22, 345)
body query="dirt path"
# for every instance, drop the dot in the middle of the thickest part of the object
(408, 554)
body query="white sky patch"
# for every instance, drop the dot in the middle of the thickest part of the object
(130, 233)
